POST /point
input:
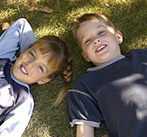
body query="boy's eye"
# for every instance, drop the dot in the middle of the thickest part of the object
(101, 32)
(87, 41)
(41, 68)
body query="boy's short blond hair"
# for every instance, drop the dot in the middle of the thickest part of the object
(89, 17)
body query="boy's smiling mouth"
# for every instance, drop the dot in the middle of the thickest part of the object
(100, 47)
(23, 70)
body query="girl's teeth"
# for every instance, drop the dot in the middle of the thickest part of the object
(23, 70)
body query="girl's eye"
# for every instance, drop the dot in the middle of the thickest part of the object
(41, 68)
(87, 41)
(101, 32)
(32, 55)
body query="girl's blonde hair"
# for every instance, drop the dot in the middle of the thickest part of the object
(90, 17)
(59, 58)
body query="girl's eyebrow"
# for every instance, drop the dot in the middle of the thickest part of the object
(33, 50)
(45, 66)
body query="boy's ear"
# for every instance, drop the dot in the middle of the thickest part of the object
(119, 36)
(43, 81)
(85, 56)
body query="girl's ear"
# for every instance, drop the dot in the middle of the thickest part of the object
(43, 81)
(85, 56)
(119, 36)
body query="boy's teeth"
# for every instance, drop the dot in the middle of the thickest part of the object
(100, 48)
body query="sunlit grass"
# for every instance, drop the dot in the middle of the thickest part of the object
(129, 16)
(7, 13)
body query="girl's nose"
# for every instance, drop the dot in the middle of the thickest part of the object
(31, 64)
(96, 41)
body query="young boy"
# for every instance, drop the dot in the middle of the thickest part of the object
(114, 92)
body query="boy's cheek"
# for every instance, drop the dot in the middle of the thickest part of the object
(85, 56)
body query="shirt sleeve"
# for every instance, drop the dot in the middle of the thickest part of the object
(81, 106)
(18, 36)
(17, 120)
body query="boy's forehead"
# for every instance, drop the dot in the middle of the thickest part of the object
(94, 23)
(85, 26)
(97, 22)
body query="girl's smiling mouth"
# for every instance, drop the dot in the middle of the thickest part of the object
(100, 47)
(23, 70)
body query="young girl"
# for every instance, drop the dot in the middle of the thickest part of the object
(40, 62)
(60, 60)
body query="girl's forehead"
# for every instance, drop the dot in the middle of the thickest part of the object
(40, 43)
(40, 50)
(47, 52)
(42, 47)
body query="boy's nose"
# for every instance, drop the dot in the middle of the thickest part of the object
(96, 41)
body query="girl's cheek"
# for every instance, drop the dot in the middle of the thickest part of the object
(25, 56)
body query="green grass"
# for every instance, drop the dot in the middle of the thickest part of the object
(48, 121)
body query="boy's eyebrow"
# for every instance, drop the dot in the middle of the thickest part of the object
(97, 27)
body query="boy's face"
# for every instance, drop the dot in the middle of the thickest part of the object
(32, 67)
(100, 43)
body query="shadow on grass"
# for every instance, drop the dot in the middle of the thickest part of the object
(50, 121)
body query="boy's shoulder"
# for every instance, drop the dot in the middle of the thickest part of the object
(137, 53)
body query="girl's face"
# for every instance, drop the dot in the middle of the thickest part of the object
(32, 67)
(100, 43)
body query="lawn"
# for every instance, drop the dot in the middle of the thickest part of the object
(129, 16)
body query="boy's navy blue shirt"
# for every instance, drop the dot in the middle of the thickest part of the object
(114, 94)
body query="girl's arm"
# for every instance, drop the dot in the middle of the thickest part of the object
(18, 36)
(84, 131)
